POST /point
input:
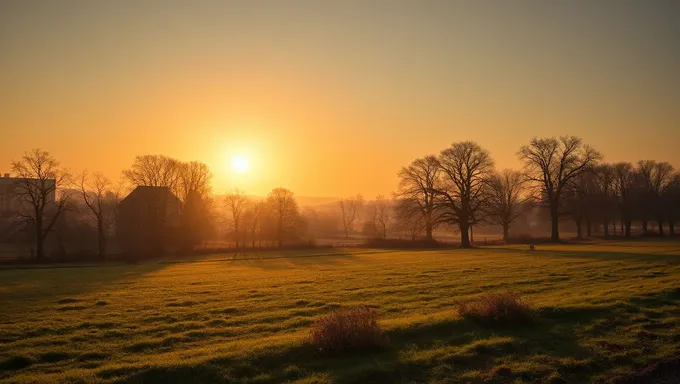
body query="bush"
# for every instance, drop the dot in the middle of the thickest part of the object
(349, 329)
(497, 309)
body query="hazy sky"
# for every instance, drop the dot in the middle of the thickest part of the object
(332, 98)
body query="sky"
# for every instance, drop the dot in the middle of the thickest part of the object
(332, 98)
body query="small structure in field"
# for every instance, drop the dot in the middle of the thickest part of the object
(148, 221)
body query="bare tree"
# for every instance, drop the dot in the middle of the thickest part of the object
(409, 218)
(285, 212)
(416, 192)
(349, 209)
(551, 163)
(624, 181)
(578, 200)
(252, 220)
(508, 199)
(379, 216)
(100, 200)
(672, 203)
(236, 203)
(604, 181)
(462, 190)
(39, 176)
(656, 178)
(155, 171)
(193, 177)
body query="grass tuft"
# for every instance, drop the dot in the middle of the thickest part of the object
(346, 330)
(505, 308)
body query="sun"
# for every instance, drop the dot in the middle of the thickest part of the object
(240, 164)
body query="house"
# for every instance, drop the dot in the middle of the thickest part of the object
(148, 221)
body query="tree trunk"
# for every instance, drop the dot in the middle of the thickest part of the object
(644, 226)
(428, 231)
(101, 239)
(554, 222)
(464, 235)
(606, 227)
(39, 240)
(279, 233)
(589, 227)
(506, 229)
(579, 228)
(660, 227)
(671, 227)
(627, 229)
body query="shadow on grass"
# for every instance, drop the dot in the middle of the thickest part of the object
(666, 257)
(437, 351)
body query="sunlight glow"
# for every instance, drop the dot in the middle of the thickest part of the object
(240, 164)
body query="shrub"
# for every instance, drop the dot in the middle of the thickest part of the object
(505, 308)
(349, 329)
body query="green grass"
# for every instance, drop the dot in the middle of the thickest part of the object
(603, 309)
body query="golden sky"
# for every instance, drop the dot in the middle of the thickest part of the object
(332, 98)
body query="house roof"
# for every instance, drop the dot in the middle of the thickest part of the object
(149, 193)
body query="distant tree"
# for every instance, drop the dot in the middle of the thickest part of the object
(321, 222)
(604, 177)
(655, 178)
(39, 177)
(408, 218)
(507, 199)
(252, 220)
(462, 190)
(672, 203)
(578, 200)
(624, 183)
(416, 193)
(100, 199)
(551, 163)
(196, 219)
(193, 177)
(349, 210)
(285, 213)
(378, 217)
(236, 203)
(154, 171)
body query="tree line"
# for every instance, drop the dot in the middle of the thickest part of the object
(460, 187)
(51, 200)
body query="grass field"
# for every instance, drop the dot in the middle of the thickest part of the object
(603, 309)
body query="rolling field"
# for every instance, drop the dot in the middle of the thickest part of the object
(603, 309)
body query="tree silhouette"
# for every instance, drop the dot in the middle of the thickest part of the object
(379, 216)
(236, 203)
(416, 193)
(550, 164)
(100, 200)
(154, 171)
(39, 176)
(193, 177)
(624, 182)
(349, 210)
(462, 191)
(655, 178)
(508, 199)
(285, 212)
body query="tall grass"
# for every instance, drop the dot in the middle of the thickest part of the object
(345, 330)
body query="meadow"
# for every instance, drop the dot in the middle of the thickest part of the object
(603, 310)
